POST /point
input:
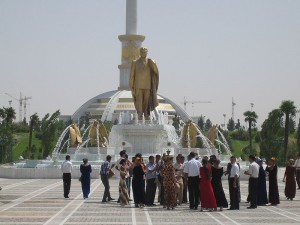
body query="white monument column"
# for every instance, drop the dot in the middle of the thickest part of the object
(131, 17)
(131, 43)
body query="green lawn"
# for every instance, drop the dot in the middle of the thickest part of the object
(237, 147)
(22, 144)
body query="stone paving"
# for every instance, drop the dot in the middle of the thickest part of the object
(37, 201)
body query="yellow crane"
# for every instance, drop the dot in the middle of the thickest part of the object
(185, 102)
(21, 100)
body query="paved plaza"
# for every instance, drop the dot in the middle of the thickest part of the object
(40, 201)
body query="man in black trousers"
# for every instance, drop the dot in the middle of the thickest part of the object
(150, 178)
(66, 168)
(234, 176)
(192, 177)
(253, 180)
(104, 171)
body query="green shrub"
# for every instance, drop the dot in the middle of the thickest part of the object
(240, 135)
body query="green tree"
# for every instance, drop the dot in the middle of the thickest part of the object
(49, 131)
(7, 115)
(292, 125)
(272, 135)
(288, 109)
(238, 124)
(201, 122)
(230, 125)
(240, 135)
(208, 124)
(34, 123)
(250, 117)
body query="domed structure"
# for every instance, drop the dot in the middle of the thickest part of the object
(108, 106)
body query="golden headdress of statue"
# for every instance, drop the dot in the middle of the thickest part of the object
(103, 135)
(75, 136)
(98, 131)
(212, 133)
(189, 134)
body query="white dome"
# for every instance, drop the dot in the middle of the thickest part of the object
(108, 106)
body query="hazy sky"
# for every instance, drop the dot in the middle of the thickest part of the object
(64, 52)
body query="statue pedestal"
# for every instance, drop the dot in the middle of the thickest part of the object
(147, 139)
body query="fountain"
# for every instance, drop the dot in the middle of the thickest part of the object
(189, 134)
(60, 139)
(149, 136)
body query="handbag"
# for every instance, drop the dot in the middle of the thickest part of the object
(111, 174)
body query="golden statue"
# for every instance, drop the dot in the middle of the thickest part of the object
(75, 136)
(212, 133)
(189, 135)
(144, 79)
(101, 134)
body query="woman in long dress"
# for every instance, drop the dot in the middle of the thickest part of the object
(216, 182)
(85, 170)
(138, 183)
(262, 196)
(207, 197)
(169, 184)
(273, 183)
(290, 182)
(123, 191)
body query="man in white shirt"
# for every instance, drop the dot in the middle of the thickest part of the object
(192, 176)
(66, 168)
(233, 184)
(297, 166)
(253, 181)
(150, 181)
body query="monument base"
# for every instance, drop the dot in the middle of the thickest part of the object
(147, 139)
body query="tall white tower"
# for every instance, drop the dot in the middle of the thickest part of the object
(131, 43)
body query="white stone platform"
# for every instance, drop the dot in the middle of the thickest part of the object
(37, 202)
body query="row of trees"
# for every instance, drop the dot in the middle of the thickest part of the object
(274, 135)
(46, 130)
(204, 125)
(276, 131)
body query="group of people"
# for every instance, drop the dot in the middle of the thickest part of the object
(173, 181)
(200, 179)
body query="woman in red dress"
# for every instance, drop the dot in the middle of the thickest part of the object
(207, 197)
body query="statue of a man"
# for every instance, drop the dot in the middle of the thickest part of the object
(144, 79)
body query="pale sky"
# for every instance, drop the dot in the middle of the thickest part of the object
(64, 52)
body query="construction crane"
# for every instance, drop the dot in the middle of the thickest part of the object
(185, 102)
(21, 100)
